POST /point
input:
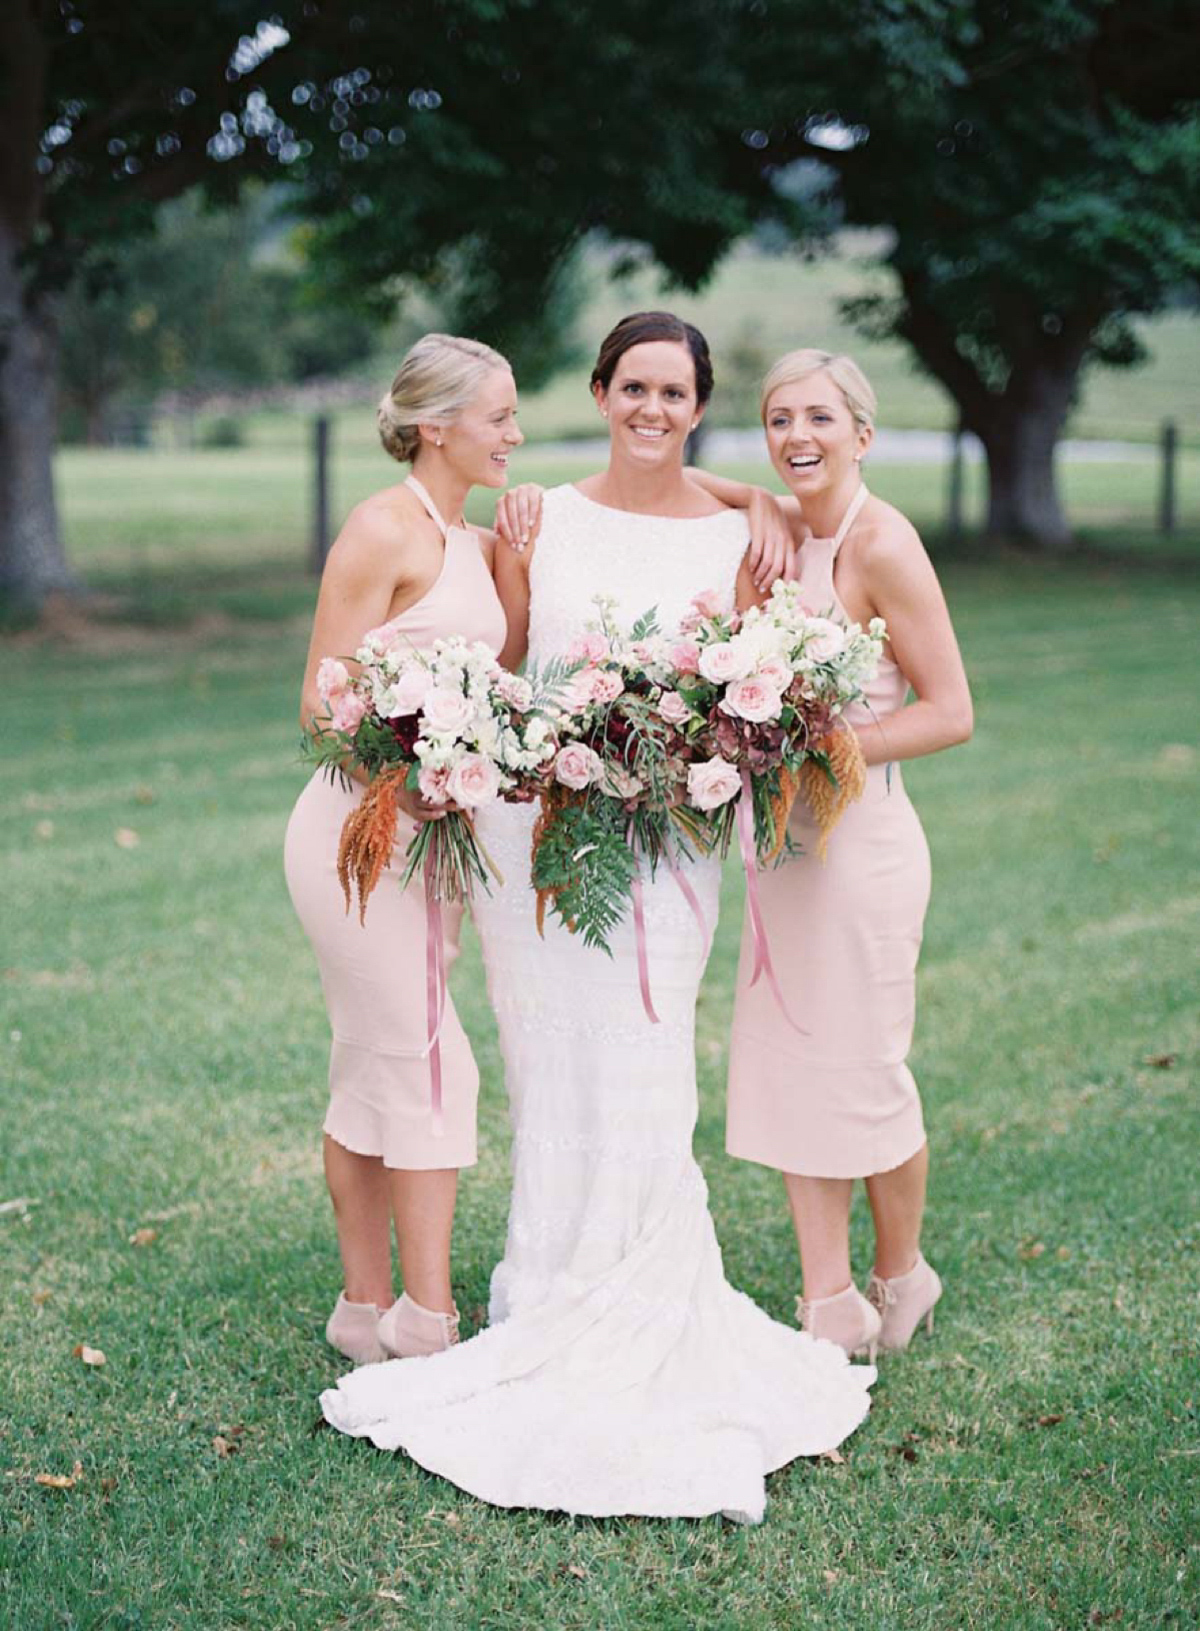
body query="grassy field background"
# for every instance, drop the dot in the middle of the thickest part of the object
(162, 1048)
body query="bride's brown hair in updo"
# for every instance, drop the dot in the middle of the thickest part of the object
(434, 383)
(643, 326)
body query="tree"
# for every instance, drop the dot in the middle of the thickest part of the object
(1039, 166)
(1042, 189)
(196, 306)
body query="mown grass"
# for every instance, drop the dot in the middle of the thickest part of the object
(162, 524)
(163, 1049)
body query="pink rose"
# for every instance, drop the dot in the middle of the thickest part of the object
(433, 784)
(577, 692)
(407, 693)
(577, 766)
(673, 708)
(643, 651)
(345, 712)
(606, 686)
(712, 783)
(587, 648)
(729, 660)
(685, 656)
(332, 677)
(708, 603)
(777, 671)
(446, 712)
(473, 781)
(622, 783)
(824, 639)
(753, 699)
(515, 690)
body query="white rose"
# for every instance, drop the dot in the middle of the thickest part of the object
(824, 639)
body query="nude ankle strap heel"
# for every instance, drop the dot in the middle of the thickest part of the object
(846, 1318)
(903, 1302)
(353, 1329)
(407, 1330)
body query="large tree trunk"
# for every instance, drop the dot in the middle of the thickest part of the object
(1023, 502)
(32, 562)
(1019, 426)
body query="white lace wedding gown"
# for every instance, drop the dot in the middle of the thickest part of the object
(621, 1372)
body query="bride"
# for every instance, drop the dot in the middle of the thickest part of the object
(621, 1373)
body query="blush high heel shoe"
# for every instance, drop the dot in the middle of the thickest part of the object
(408, 1330)
(903, 1302)
(353, 1329)
(847, 1319)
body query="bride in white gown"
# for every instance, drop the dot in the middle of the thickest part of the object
(621, 1372)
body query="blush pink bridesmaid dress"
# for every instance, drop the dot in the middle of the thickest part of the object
(373, 974)
(845, 934)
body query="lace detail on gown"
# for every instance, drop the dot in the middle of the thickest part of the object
(621, 1372)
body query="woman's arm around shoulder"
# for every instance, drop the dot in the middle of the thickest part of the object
(901, 586)
(510, 573)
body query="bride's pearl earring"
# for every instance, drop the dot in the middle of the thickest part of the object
(439, 441)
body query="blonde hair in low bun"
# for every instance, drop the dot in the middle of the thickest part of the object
(435, 382)
(842, 370)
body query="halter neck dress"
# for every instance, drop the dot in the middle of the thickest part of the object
(373, 974)
(845, 934)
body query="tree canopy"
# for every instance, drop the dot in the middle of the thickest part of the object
(1038, 167)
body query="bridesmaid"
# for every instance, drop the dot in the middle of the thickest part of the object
(840, 1102)
(451, 413)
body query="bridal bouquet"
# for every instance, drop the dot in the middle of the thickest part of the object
(759, 697)
(615, 793)
(447, 722)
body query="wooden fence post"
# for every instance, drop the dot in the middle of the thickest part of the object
(1166, 489)
(320, 526)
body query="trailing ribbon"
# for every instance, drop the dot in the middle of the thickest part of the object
(435, 993)
(639, 932)
(762, 951)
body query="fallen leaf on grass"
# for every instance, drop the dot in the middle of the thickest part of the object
(224, 1447)
(57, 1480)
(831, 1576)
(1029, 1252)
(906, 1451)
(1049, 1421)
(1160, 1061)
(90, 1356)
(126, 838)
(389, 1596)
(107, 1485)
(578, 1570)
(143, 1237)
(21, 1204)
(40, 1297)
(1063, 1253)
(44, 830)
(452, 1520)
(277, 1542)
(835, 1456)
(144, 794)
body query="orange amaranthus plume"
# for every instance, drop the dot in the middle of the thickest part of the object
(368, 835)
(827, 802)
(781, 807)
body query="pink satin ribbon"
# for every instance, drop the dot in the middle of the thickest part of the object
(762, 950)
(639, 936)
(435, 993)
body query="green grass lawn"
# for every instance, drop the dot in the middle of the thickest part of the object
(162, 523)
(163, 1050)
